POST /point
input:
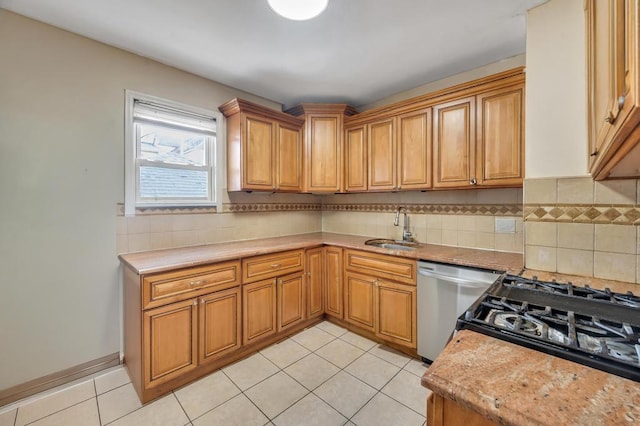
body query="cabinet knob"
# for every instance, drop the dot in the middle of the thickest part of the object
(195, 283)
(473, 181)
(276, 265)
(594, 153)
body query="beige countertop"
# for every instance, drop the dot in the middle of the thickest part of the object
(163, 260)
(514, 385)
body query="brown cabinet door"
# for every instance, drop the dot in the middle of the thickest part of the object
(334, 293)
(314, 265)
(355, 159)
(360, 300)
(442, 412)
(613, 87)
(500, 137)
(289, 168)
(220, 323)
(324, 152)
(382, 155)
(396, 312)
(258, 310)
(453, 143)
(414, 150)
(291, 296)
(170, 341)
(259, 153)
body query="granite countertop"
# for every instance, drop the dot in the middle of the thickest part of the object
(163, 260)
(514, 385)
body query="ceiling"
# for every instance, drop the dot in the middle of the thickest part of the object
(357, 51)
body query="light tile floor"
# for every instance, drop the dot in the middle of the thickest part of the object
(324, 375)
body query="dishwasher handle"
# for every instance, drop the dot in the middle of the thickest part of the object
(461, 282)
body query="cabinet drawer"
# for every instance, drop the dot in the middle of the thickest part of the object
(381, 266)
(160, 289)
(271, 265)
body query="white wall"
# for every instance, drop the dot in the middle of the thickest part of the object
(61, 175)
(556, 139)
(480, 72)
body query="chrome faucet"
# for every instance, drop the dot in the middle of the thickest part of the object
(406, 234)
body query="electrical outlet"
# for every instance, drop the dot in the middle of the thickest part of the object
(505, 225)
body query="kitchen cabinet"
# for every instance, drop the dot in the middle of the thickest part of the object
(170, 341)
(380, 296)
(442, 411)
(334, 288)
(273, 294)
(500, 137)
(315, 276)
(454, 143)
(479, 140)
(258, 310)
(613, 88)
(355, 159)
(414, 150)
(359, 300)
(264, 148)
(178, 321)
(219, 324)
(381, 138)
(323, 145)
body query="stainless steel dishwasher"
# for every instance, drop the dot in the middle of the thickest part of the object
(444, 293)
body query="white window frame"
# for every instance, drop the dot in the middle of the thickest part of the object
(131, 202)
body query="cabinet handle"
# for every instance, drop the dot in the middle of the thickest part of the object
(610, 118)
(195, 283)
(279, 282)
(195, 302)
(276, 265)
(594, 153)
(473, 181)
(202, 301)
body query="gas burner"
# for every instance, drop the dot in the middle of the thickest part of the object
(516, 322)
(598, 328)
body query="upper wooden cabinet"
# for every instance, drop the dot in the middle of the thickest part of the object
(355, 159)
(382, 155)
(613, 88)
(323, 145)
(414, 150)
(454, 143)
(264, 148)
(500, 137)
(479, 140)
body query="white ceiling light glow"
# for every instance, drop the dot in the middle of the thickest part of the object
(298, 10)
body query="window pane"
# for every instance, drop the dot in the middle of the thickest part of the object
(163, 182)
(173, 146)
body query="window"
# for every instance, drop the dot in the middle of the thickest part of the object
(171, 154)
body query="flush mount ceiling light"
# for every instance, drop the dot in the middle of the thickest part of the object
(298, 10)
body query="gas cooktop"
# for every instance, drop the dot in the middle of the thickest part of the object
(598, 328)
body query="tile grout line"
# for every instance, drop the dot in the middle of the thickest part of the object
(95, 389)
(180, 404)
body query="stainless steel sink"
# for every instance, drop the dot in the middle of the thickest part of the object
(392, 244)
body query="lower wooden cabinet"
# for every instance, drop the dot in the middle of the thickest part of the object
(170, 337)
(333, 285)
(442, 412)
(359, 300)
(375, 301)
(258, 310)
(220, 324)
(396, 313)
(290, 295)
(173, 333)
(314, 266)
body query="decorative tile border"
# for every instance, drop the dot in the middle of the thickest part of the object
(446, 209)
(270, 207)
(582, 213)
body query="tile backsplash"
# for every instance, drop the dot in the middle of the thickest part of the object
(582, 227)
